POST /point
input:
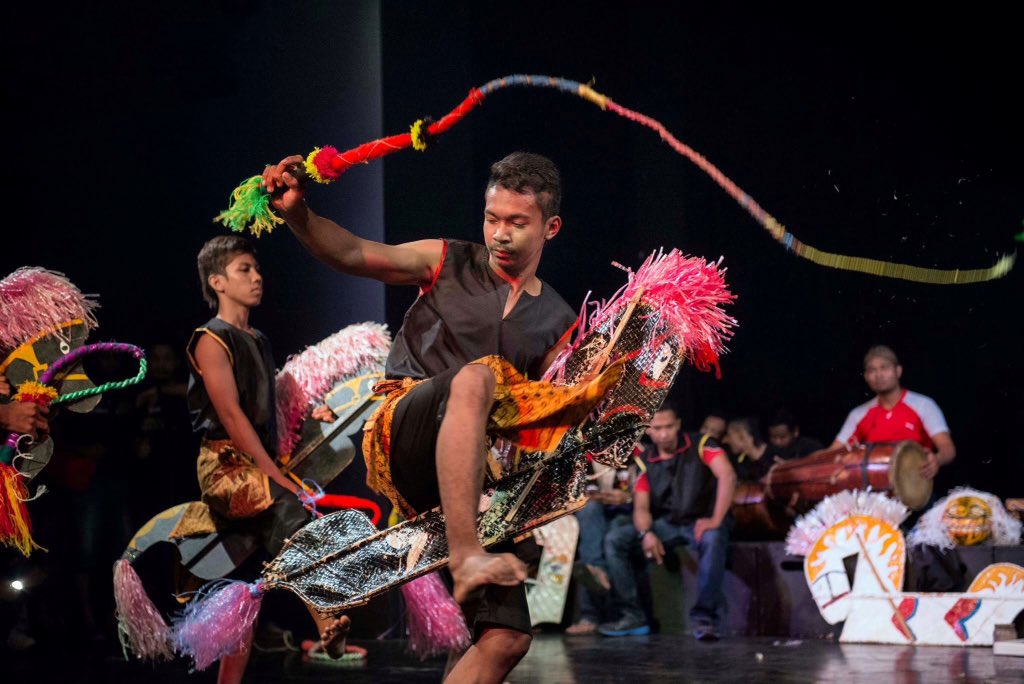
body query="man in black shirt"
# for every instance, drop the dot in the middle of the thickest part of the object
(476, 302)
(683, 497)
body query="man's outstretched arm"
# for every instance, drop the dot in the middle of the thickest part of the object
(412, 263)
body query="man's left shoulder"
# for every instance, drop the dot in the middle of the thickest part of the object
(707, 447)
(916, 401)
(556, 308)
(549, 293)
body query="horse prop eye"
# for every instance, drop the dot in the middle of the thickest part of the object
(31, 359)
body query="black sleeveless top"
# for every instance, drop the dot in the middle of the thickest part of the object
(253, 366)
(459, 319)
(682, 488)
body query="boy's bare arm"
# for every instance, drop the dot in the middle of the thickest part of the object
(412, 263)
(219, 381)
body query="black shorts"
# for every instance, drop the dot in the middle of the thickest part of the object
(414, 429)
(497, 606)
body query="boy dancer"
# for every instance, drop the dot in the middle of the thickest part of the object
(231, 403)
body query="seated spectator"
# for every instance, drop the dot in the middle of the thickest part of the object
(714, 425)
(683, 498)
(610, 492)
(784, 435)
(752, 456)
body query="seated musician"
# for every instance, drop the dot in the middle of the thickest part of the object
(784, 434)
(897, 414)
(752, 457)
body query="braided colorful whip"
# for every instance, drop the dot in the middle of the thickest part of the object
(15, 524)
(250, 204)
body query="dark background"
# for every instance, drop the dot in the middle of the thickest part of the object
(864, 132)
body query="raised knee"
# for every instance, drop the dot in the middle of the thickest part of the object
(473, 382)
(618, 541)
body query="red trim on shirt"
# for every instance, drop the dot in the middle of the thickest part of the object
(565, 337)
(709, 455)
(437, 271)
(686, 445)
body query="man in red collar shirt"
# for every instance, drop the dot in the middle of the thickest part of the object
(897, 414)
(683, 498)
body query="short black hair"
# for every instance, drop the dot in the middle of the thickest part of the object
(783, 416)
(717, 413)
(883, 352)
(528, 172)
(668, 405)
(214, 258)
(750, 425)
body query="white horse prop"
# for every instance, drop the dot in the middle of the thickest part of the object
(873, 604)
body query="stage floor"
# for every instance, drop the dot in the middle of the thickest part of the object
(555, 659)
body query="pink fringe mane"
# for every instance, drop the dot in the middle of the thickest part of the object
(309, 375)
(687, 292)
(34, 300)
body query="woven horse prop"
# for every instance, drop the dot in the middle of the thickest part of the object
(670, 311)
(873, 605)
(46, 321)
(340, 372)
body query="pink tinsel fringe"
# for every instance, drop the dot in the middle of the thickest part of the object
(33, 300)
(436, 623)
(140, 627)
(688, 293)
(218, 624)
(307, 376)
(808, 528)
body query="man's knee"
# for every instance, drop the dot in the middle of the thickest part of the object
(619, 541)
(716, 538)
(473, 383)
(505, 646)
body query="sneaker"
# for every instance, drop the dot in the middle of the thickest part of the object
(624, 627)
(705, 633)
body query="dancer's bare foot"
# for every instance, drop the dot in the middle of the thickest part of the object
(478, 569)
(334, 635)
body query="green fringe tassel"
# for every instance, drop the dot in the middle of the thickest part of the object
(1019, 237)
(249, 207)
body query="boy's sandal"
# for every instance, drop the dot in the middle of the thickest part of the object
(314, 650)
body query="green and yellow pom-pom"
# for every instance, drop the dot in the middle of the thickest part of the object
(419, 142)
(249, 208)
